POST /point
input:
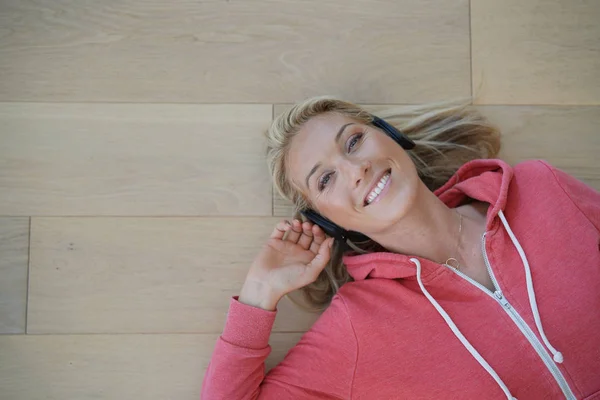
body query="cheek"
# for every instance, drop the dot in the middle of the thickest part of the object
(329, 203)
(390, 150)
(332, 208)
(408, 177)
(404, 162)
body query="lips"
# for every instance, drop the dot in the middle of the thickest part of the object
(374, 185)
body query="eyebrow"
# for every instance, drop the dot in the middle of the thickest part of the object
(317, 165)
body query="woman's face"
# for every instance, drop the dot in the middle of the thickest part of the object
(337, 162)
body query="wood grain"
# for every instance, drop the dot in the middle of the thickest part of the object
(259, 51)
(129, 159)
(535, 51)
(14, 249)
(131, 275)
(565, 136)
(91, 367)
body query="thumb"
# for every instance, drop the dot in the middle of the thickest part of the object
(322, 257)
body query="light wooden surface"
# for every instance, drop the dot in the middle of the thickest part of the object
(116, 367)
(143, 275)
(14, 248)
(132, 159)
(536, 51)
(131, 143)
(567, 137)
(234, 51)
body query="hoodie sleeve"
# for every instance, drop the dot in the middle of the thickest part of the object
(585, 198)
(237, 367)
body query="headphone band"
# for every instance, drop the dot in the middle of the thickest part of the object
(393, 132)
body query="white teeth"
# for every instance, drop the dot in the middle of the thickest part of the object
(380, 185)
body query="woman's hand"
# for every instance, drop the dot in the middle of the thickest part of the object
(286, 263)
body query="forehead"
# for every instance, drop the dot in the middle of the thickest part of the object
(313, 141)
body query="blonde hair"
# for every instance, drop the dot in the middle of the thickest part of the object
(446, 135)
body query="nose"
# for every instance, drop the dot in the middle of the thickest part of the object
(357, 171)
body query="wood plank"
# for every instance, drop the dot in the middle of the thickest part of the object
(259, 51)
(132, 275)
(14, 249)
(536, 52)
(131, 159)
(91, 367)
(565, 136)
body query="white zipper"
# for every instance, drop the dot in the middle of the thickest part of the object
(521, 324)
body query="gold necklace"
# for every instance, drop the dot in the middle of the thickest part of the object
(457, 267)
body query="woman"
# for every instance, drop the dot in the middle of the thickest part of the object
(452, 275)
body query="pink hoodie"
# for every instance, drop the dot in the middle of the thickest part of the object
(409, 328)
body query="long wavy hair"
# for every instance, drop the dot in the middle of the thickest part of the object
(446, 135)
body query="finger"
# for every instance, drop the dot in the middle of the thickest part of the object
(295, 232)
(319, 234)
(318, 238)
(307, 236)
(320, 261)
(280, 229)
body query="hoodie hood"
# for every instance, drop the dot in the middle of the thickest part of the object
(485, 180)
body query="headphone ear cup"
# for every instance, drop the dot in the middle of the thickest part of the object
(332, 229)
(329, 227)
(400, 138)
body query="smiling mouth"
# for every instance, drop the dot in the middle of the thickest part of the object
(373, 194)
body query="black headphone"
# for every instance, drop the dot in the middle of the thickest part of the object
(331, 228)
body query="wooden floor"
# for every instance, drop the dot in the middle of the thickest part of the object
(133, 187)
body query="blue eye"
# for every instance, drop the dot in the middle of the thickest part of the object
(352, 143)
(354, 140)
(324, 180)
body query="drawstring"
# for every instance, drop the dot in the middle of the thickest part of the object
(557, 355)
(460, 336)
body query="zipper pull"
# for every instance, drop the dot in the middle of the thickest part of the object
(502, 299)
